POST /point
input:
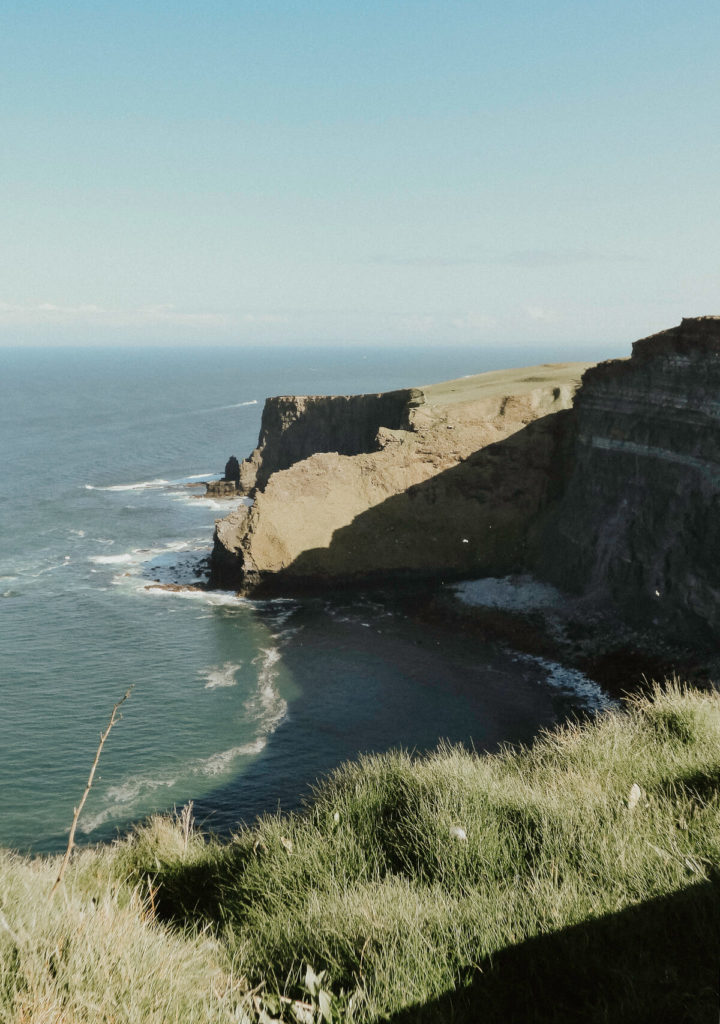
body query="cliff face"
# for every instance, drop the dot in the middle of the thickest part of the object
(616, 496)
(447, 479)
(639, 522)
(295, 427)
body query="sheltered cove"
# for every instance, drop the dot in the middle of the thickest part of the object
(603, 480)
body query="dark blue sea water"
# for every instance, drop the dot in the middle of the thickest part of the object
(237, 705)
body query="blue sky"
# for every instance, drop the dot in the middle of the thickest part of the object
(486, 173)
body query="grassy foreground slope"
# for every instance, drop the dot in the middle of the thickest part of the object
(575, 880)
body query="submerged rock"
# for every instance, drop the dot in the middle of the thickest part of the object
(221, 489)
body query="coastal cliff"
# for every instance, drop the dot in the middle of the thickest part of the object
(610, 489)
(295, 427)
(638, 524)
(447, 479)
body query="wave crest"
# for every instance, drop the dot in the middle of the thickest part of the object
(221, 676)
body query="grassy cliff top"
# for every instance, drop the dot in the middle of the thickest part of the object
(575, 880)
(496, 383)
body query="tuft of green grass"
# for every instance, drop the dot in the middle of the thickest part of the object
(576, 879)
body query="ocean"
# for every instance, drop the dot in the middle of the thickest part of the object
(236, 705)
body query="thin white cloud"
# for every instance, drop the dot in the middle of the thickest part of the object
(529, 259)
(540, 313)
(167, 314)
(266, 319)
(473, 321)
(532, 259)
(88, 313)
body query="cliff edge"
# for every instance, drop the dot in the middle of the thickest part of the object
(448, 479)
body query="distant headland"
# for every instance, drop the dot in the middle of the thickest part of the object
(602, 479)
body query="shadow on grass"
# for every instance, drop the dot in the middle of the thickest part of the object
(658, 961)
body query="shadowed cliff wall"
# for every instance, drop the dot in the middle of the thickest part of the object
(639, 523)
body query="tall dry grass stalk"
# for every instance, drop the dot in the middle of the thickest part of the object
(78, 809)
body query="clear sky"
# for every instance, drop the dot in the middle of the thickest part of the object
(355, 171)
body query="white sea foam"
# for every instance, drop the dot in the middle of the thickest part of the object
(265, 708)
(125, 559)
(139, 556)
(222, 408)
(266, 703)
(219, 763)
(280, 616)
(50, 568)
(142, 485)
(214, 598)
(223, 505)
(123, 800)
(218, 504)
(525, 594)
(33, 568)
(573, 683)
(195, 478)
(221, 676)
(286, 634)
(510, 593)
(77, 533)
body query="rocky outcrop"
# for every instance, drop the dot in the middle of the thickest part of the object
(616, 496)
(442, 480)
(229, 485)
(638, 525)
(221, 489)
(232, 471)
(295, 427)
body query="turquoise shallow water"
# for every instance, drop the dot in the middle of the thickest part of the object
(237, 705)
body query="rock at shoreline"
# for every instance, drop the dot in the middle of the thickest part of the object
(229, 485)
(232, 470)
(221, 489)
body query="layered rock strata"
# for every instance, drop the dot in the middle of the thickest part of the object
(448, 480)
(638, 525)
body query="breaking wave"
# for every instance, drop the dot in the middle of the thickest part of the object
(213, 598)
(141, 486)
(265, 709)
(572, 683)
(222, 408)
(221, 676)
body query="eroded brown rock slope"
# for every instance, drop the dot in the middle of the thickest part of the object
(447, 479)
